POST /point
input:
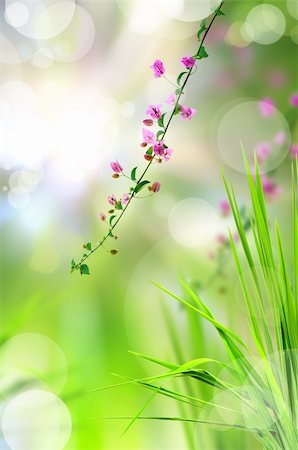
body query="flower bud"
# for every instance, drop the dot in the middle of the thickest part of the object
(115, 175)
(148, 157)
(148, 122)
(114, 252)
(111, 211)
(155, 186)
(102, 216)
(143, 144)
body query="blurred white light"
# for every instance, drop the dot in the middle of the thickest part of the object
(127, 109)
(145, 19)
(75, 41)
(42, 58)
(193, 222)
(16, 14)
(233, 125)
(35, 355)
(8, 52)
(172, 8)
(194, 11)
(40, 20)
(265, 24)
(35, 420)
(293, 8)
(18, 201)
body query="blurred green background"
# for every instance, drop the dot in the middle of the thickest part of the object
(75, 85)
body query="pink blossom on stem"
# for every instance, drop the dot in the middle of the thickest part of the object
(102, 216)
(116, 167)
(112, 200)
(154, 111)
(158, 68)
(155, 187)
(186, 112)
(294, 100)
(267, 107)
(280, 138)
(162, 152)
(148, 122)
(188, 61)
(171, 100)
(224, 207)
(294, 151)
(221, 239)
(158, 148)
(148, 136)
(263, 151)
(125, 199)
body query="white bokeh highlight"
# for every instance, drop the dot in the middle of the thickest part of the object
(265, 24)
(36, 420)
(193, 222)
(233, 125)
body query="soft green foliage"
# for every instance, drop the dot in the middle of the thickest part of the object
(263, 380)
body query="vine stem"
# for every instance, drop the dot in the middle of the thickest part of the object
(190, 71)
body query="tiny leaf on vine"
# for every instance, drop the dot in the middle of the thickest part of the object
(179, 77)
(111, 219)
(177, 110)
(202, 28)
(133, 174)
(141, 185)
(159, 134)
(160, 120)
(84, 269)
(202, 53)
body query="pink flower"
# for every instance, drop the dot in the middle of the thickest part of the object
(294, 100)
(167, 154)
(188, 61)
(267, 107)
(171, 100)
(125, 199)
(294, 151)
(148, 122)
(280, 138)
(148, 136)
(263, 150)
(162, 152)
(271, 189)
(155, 186)
(224, 207)
(221, 239)
(158, 148)
(112, 200)
(186, 112)
(102, 216)
(154, 111)
(158, 68)
(116, 167)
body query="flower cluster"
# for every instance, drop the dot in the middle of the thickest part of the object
(153, 141)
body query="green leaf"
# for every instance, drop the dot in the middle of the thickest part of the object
(177, 110)
(119, 205)
(202, 53)
(202, 29)
(161, 120)
(141, 185)
(159, 134)
(179, 77)
(84, 269)
(149, 151)
(178, 91)
(111, 219)
(88, 246)
(133, 174)
(220, 13)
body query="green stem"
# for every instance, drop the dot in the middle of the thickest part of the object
(105, 237)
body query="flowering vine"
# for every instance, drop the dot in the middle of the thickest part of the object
(156, 149)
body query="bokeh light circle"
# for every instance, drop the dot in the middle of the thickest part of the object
(265, 24)
(241, 121)
(45, 259)
(197, 10)
(193, 222)
(40, 20)
(42, 58)
(18, 200)
(36, 419)
(293, 8)
(36, 355)
(75, 41)
(17, 14)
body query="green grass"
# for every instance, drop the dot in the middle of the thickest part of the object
(261, 386)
